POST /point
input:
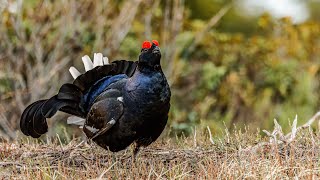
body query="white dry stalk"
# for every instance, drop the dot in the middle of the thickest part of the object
(60, 142)
(269, 135)
(104, 172)
(294, 129)
(210, 135)
(308, 124)
(195, 137)
(312, 136)
(278, 134)
(279, 129)
(288, 138)
(227, 132)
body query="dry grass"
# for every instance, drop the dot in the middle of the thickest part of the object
(180, 158)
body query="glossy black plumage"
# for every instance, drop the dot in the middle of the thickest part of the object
(123, 102)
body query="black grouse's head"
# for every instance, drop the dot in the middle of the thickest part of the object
(150, 54)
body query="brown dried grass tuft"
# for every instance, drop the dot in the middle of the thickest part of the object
(182, 158)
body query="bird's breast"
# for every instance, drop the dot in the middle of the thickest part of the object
(147, 92)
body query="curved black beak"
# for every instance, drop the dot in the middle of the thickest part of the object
(156, 50)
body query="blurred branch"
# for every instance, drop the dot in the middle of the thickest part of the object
(172, 53)
(148, 17)
(172, 25)
(100, 15)
(121, 25)
(211, 23)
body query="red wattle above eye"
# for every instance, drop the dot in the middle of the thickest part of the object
(155, 42)
(146, 45)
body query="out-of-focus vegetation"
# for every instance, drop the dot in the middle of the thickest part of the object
(224, 69)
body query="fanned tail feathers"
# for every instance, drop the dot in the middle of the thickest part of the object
(69, 98)
(33, 111)
(33, 120)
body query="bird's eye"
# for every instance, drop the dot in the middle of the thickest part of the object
(145, 50)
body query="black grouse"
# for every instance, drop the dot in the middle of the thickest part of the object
(122, 103)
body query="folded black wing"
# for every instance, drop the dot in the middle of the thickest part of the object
(86, 80)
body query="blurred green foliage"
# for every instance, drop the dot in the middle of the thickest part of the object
(242, 72)
(271, 75)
